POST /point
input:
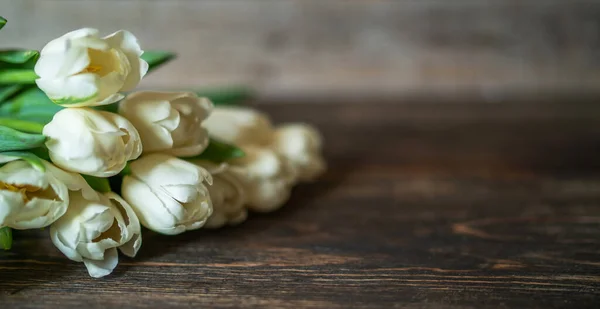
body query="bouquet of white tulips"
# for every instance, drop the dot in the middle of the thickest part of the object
(82, 154)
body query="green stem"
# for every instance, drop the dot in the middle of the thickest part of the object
(6, 238)
(22, 125)
(17, 76)
(97, 183)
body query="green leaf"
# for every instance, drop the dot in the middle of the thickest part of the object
(17, 56)
(17, 76)
(2, 22)
(98, 184)
(31, 105)
(29, 97)
(111, 108)
(227, 96)
(22, 125)
(11, 139)
(218, 152)
(156, 58)
(126, 170)
(6, 238)
(8, 91)
(29, 157)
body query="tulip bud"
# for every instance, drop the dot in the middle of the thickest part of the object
(266, 178)
(239, 125)
(227, 195)
(82, 69)
(168, 122)
(91, 142)
(300, 145)
(30, 198)
(91, 231)
(168, 194)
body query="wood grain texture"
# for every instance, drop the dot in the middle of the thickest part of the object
(449, 205)
(344, 48)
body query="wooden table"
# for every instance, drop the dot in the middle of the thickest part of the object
(441, 205)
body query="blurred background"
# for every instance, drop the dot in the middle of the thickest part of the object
(344, 49)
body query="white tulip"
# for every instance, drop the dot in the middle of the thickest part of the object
(30, 198)
(300, 145)
(91, 142)
(82, 69)
(239, 125)
(92, 230)
(168, 194)
(266, 177)
(227, 195)
(168, 122)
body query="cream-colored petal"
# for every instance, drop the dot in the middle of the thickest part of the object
(62, 64)
(74, 182)
(267, 196)
(127, 42)
(168, 122)
(104, 267)
(91, 142)
(132, 240)
(240, 125)
(71, 91)
(149, 208)
(22, 173)
(131, 247)
(64, 245)
(10, 202)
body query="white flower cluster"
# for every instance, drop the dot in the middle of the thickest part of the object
(153, 146)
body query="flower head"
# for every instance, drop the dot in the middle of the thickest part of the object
(168, 122)
(300, 145)
(91, 142)
(30, 198)
(240, 125)
(92, 230)
(266, 177)
(168, 194)
(82, 69)
(227, 195)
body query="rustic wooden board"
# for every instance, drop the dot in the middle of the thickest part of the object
(424, 206)
(340, 47)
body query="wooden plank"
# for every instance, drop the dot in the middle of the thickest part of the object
(454, 205)
(290, 48)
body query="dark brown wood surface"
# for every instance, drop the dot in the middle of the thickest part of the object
(441, 205)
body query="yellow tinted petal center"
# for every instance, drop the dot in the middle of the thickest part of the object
(21, 189)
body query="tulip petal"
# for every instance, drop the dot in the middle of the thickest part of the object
(22, 173)
(101, 268)
(268, 196)
(131, 229)
(260, 162)
(68, 54)
(168, 122)
(59, 44)
(149, 208)
(71, 91)
(163, 170)
(74, 182)
(239, 126)
(112, 82)
(10, 202)
(64, 245)
(300, 145)
(62, 64)
(38, 213)
(91, 142)
(127, 42)
(131, 247)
